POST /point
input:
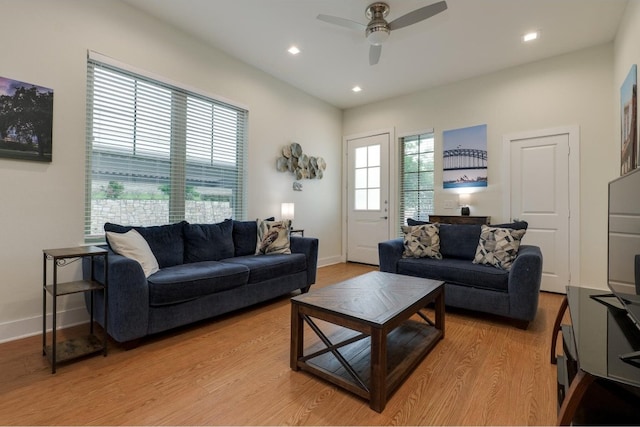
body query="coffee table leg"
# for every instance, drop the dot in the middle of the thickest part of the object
(439, 306)
(378, 389)
(297, 336)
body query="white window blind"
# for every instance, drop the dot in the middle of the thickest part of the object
(416, 177)
(158, 153)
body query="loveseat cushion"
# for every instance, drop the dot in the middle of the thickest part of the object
(208, 242)
(458, 271)
(186, 282)
(459, 240)
(264, 267)
(166, 241)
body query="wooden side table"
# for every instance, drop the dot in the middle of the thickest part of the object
(459, 219)
(84, 345)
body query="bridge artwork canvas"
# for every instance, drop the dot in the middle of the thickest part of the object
(465, 157)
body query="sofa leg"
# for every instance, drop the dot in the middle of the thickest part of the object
(521, 324)
(305, 289)
(130, 345)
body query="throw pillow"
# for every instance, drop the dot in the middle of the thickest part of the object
(498, 246)
(273, 237)
(421, 241)
(132, 245)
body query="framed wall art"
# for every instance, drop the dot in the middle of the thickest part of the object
(26, 120)
(465, 157)
(628, 123)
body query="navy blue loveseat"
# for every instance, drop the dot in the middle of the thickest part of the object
(205, 270)
(511, 293)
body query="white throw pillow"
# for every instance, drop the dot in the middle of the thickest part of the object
(132, 245)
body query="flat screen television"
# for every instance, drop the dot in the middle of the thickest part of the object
(623, 266)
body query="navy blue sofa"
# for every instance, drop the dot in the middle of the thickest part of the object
(513, 293)
(205, 271)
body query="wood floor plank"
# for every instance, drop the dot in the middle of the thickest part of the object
(234, 370)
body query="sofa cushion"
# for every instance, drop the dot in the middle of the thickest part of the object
(458, 271)
(421, 241)
(412, 222)
(245, 236)
(132, 245)
(459, 240)
(208, 242)
(498, 246)
(273, 237)
(268, 267)
(180, 283)
(166, 241)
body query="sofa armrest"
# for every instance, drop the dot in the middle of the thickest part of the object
(309, 247)
(128, 297)
(524, 282)
(389, 253)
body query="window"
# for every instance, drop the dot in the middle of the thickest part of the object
(367, 178)
(158, 153)
(416, 177)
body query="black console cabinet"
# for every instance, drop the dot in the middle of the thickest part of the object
(595, 386)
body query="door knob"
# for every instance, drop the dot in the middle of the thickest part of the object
(384, 217)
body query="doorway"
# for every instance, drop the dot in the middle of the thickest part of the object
(368, 209)
(542, 187)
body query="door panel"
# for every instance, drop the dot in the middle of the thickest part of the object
(540, 196)
(367, 197)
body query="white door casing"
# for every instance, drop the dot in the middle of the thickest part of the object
(368, 205)
(542, 188)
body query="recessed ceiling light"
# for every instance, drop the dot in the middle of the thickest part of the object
(530, 36)
(356, 89)
(293, 50)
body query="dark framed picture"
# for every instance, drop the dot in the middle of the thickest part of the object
(26, 120)
(629, 118)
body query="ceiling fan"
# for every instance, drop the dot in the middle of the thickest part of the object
(378, 29)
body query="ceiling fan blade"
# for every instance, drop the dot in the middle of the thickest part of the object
(418, 15)
(342, 22)
(374, 54)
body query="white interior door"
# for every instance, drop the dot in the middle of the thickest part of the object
(367, 197)
(540, 194)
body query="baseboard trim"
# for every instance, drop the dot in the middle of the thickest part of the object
(323, 262)
(23, 328)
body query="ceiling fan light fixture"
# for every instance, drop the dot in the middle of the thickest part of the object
(376, 35)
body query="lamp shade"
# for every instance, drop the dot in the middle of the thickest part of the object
(287, 211)
(464, 199)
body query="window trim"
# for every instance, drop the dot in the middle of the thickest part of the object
(176, 88)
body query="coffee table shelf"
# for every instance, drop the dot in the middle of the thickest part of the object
(407, 345)
(375, 338)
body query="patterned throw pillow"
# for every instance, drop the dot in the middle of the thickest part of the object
(273, 237)
(421, 241)
(498, 246)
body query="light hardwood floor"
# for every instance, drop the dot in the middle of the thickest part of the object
(234, 370)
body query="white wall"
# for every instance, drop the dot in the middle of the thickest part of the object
(573, 89)
(42, 205)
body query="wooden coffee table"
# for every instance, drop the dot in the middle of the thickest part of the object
(377, 342)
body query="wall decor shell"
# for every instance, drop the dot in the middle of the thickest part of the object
(301, 165)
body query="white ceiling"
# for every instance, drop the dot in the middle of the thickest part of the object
(470, 38)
